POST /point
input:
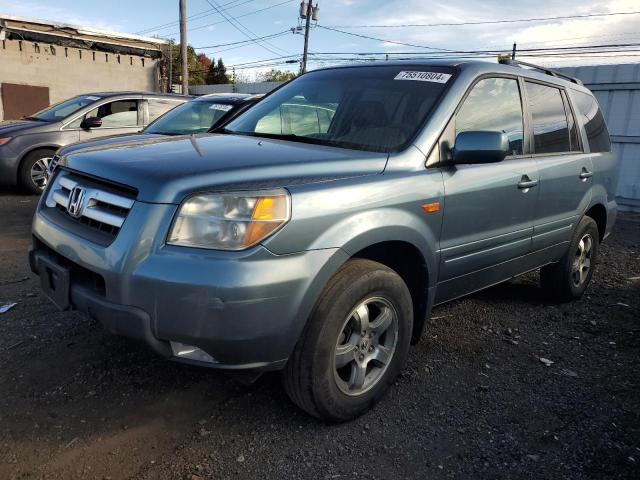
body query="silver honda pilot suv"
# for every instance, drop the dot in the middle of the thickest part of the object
(314, 233)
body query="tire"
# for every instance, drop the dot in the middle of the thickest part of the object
(33, 179)
(568, 279)
(338, 370)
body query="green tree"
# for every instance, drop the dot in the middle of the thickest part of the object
(274, 75)
(217, 73)
(197, 64)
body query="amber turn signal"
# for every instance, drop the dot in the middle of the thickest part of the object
(431, 207)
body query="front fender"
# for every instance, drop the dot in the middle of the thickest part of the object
(356, 213)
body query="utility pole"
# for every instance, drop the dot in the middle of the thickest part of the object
(170, 66)
(183, 47)
(307, 16)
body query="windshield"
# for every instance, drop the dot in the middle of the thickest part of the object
(62, 110)
(196, 116)
(377, 108)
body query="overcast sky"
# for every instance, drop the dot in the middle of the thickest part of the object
(133, 16)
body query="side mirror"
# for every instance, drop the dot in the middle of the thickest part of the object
(91, 122)
(480, 147)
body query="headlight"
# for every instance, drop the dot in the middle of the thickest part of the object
(5, 140)
(229, 221)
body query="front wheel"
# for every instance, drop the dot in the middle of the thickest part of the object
(33, 171)
(568, 279)
(355, 343)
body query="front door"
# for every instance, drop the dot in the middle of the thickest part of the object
(565, 171)
(119, 117)
(488, 208)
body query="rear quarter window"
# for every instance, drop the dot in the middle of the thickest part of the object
(593, 121)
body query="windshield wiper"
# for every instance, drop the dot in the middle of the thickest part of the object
(37, 119)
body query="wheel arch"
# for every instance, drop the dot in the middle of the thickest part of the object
(598, 213)
(35, 148)
(410, 264)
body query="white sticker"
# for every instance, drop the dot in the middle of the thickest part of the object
(91, 97)
(221, 106)
(436, 77)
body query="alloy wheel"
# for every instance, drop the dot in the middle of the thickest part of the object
(39, 173)
(582, 260)
(365, 346)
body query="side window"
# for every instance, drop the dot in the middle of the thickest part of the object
(270, 123)
(550, 126)
(121, 113)
(301, 119)
(494, 105)
(573, 127)
(159, 106)
(593, 121)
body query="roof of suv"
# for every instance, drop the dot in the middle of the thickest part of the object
(478, 65)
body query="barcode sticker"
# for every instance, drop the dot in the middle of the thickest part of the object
(436, 77)
(221, 106)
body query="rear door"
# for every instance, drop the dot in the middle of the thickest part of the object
(156, 107)
(488, 208)
(565, 170)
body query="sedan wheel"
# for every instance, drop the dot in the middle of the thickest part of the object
(39, 172)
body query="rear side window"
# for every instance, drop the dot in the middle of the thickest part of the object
(593, 121)
(550, 126)
(159, 106)
(494, 105)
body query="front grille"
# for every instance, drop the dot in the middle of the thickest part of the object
(91, 208)
(52, 164)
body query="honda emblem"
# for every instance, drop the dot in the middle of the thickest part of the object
(76, 200)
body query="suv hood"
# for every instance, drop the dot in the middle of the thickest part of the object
(106, 141)
(166, 170)
(11, 127)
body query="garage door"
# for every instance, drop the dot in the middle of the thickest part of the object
(21, 100)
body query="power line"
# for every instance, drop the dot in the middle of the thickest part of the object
(195, 16)
(382, 39)
(495, 51)
(241, 28)
(253, 12)
(488, 22)
(272, 35)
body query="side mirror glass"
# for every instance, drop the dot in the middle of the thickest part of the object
(91, 122)
(480, 147)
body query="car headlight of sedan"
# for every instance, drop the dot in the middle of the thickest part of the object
(229, 221)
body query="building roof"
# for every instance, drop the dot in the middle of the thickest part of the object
(33, 29)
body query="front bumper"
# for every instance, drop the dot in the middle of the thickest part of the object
(244, 309)
(9, 162)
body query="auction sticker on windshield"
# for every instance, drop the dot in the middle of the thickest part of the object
(220, 106)
(436, 77)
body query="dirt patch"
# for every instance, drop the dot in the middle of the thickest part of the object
(475, 400)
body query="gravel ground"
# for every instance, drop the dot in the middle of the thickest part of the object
(475, 400)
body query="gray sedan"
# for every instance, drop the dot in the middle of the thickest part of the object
(26, 145)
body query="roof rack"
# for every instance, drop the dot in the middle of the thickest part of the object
(508, 60)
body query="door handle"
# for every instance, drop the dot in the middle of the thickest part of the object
(526, 184)
(585, 174)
